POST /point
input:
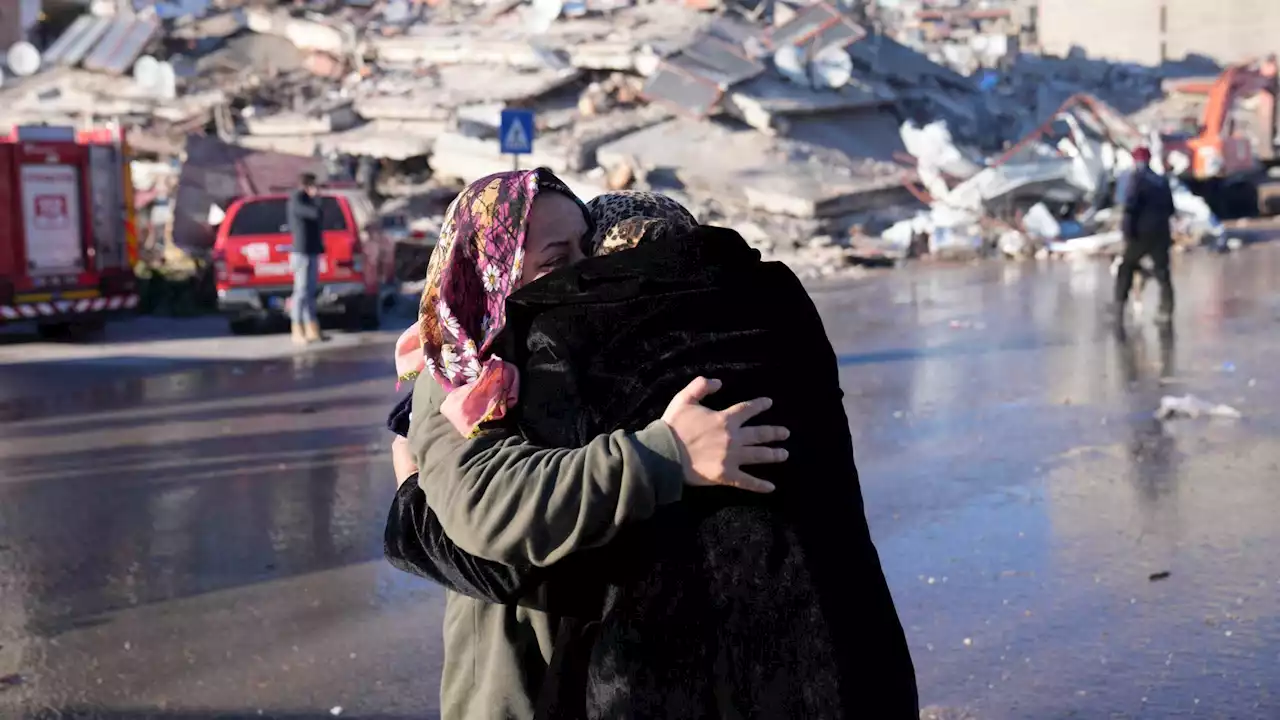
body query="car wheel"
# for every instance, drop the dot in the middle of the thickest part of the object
(54, 331)
(364, 313)
(90, 329)
(242, 326)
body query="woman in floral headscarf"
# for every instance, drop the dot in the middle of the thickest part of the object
(539, 504)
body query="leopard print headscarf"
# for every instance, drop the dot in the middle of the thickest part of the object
(625, 219)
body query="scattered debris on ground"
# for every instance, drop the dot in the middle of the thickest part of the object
(1190, 406)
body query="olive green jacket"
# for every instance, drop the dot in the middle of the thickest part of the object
(500, 498)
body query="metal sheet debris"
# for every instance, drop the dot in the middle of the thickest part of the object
(123, 42)
(74, 44)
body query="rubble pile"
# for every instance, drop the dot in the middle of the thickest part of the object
(784, 120)
(1055, 191)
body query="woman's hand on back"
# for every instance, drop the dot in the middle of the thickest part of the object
(402, 460)
(716, 443)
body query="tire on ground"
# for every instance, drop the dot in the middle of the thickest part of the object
(242, 325)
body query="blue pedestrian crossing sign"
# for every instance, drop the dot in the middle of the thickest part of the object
(515, 132)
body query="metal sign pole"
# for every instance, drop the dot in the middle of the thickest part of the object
(515, 162)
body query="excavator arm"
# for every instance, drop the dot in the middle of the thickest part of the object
(1219, 151)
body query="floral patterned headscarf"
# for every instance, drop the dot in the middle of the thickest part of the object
(475, 266)
(624, 219)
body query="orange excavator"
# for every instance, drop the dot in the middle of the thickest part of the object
(1227, 159)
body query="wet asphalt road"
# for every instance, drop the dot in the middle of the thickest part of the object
(200, 538)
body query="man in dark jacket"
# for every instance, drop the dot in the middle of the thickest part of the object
(304, 216)
(1147, 210)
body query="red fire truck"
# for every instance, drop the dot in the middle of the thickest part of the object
(68, 242)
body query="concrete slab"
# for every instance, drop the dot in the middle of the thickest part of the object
(337, 39)
(464, 157)
(457, 47)
(438, 96)
(887, 57)
(601, 42)
(765, 174)
(859, 134)
(762, 101)
(589, 134)
(456, 162)
(461, 155)
(390, 139)
(605, 55)
(334, 120)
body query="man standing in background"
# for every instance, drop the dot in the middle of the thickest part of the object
(308, 245)
(1147, 209)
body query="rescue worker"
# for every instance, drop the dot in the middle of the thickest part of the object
(304, 217)
(1147, 209)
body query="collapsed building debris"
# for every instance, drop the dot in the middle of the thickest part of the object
(1057, 190)
(810, 126)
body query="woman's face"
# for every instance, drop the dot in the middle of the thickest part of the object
(553, 237)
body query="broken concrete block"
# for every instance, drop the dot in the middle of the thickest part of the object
(338, 40)
(455, 155)
(604, 55)
(763, 102)
(593, 101)
(621, 177)
(590, 134)
(397, 107)
(761, 173)
(459, 47)
(480, 119)
(450, 87)
(337, 119)
(324, 65)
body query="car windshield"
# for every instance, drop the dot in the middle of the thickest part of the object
(270, 216)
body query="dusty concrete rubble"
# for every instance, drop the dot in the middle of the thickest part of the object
(1055, 191)
(791, 130)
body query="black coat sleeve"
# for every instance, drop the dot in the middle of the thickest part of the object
(415, 542)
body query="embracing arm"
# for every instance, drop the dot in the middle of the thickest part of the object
(503, 499)
(415, 542)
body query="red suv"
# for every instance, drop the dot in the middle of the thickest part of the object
(251, 257)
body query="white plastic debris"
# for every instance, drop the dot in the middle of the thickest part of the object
(1192, 407)
(1194, 218)
(932, 145)
(1041, 223)
(1090, 244)
(964, 239)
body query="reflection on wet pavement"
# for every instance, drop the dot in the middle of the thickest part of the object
(205, 541)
